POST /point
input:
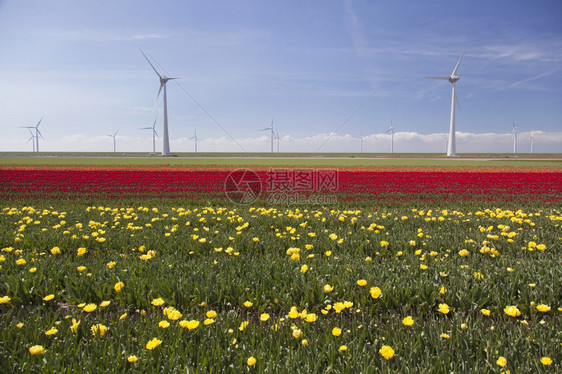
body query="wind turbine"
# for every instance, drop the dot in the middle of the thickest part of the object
(195, 140)
(361, 139)
(270, 128)
(37, 134)
(391, 131)
(114, 142)
(453, 78)
(278, 138)
(532, 139)
(163, 81)
(514, 138)
(32, 138)
(154, 134)
(446, 141)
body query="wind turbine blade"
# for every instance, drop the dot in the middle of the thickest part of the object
(154, 124)
(269, 128)
(116, 132)
(145, 128)
(157, 97)
(458, 63)
(38, 123)
(155, 133)
(39, 133)
(153, 68)
(442, 78)
(458, 102)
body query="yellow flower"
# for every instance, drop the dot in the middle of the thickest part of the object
(153, 344)
(423, 267)
(443, 290)
(546, 360)
(157, 302)
(543, 308)
(464, 326)
(512, 311)
(99, 330)
(81, 251)
(5, 299)
(164, 324)
(74, 327)
(251, 361)
(304, 342)
(243, 325)
(327, 288)
(118, 286)
(132, 358)
(336, 331)
(49, 297)
(408, 321)
(541, 247)
(51, 331)
(19, 325)
(81, 268)
(444, 308)
(90, 308)
(211, 314)
(384, 243)
(375, 292)
(37, 350)
(311, 317)
(105, 303)
(445, 336)
(304, 269)
(123, 316)
(33, 270)
(248, 304)
(501, 361)
(485, 312)
(55, 251)
(264, 317)
(463, 253)
(361, 282)
(111, 265)
(343, 348)
(297, 333)
(21, 261)
(387, 352)
(208, 321)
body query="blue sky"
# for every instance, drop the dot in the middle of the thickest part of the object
(310, 64)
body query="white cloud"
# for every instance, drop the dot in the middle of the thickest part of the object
(404, 142)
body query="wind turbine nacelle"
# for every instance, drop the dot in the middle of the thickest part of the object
(454, 78)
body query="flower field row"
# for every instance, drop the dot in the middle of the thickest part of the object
(433, 186)
(170, 288)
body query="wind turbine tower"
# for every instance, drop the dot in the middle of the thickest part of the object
(514, 138)
(270, 128)
(32, 139)
(391, 131)
(361, 140)
(532, 139)
(453, 78)
(114, 142)
(278, 138)
(154, 134)
(163, 81)
(195, 140)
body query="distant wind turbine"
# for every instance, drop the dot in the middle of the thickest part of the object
(114, 141)
(37, 134)
(154, 134)
(391, 131)
(270, 128)
(195, 140)
(453, 78)
(446, 141)
(361, 140)
(163, 81)
(532, 139)
(32, 139)
(278, 138)
(514, 138)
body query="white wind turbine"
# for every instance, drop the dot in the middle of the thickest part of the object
(37, 134)
(195, 140)
(453, 78)
(514, 138)
(361, 140)
(270, 128)
(163, 81)
(32, 139)
(532, 139)
(114, 141)
(391, 131)
(154, 134)
(278, 138)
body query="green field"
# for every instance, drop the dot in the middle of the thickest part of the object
(355, 160)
